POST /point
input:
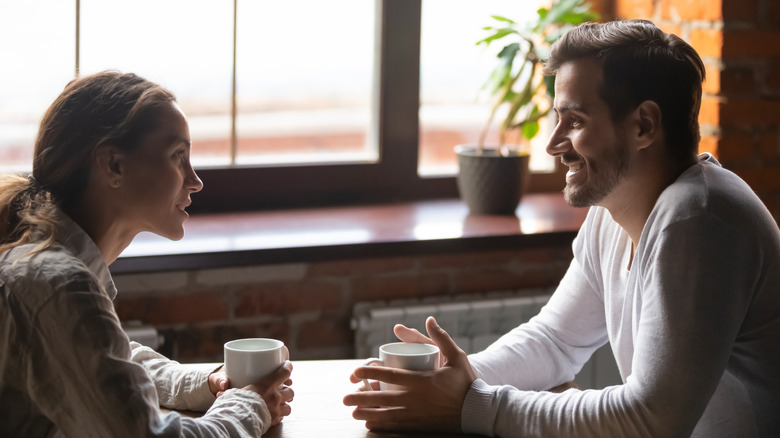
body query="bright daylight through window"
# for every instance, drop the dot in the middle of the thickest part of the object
(272, 84)
(454, 106)
(304, 83)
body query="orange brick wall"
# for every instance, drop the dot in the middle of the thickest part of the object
(739, 41)
(309, 305)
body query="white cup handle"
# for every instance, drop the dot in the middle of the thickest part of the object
(368, 362)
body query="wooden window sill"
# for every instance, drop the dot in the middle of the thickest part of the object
(308, 235)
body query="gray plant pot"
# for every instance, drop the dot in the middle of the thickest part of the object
(491, 183)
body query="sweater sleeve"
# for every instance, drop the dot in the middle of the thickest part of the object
(553, 346)
(178, 386)
(80, 376)
(548, 350)
(694, 298)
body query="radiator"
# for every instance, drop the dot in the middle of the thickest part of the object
(473, 324)
(143, 334)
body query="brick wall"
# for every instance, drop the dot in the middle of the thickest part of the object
(309, 305)
(739, 41)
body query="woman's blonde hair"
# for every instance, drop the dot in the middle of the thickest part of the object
(103, 108)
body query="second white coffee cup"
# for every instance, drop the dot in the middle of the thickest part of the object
(405, 355)
(248, 360)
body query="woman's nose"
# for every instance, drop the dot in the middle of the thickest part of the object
(193, 182)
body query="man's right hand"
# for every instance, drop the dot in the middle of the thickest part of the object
(432, 400)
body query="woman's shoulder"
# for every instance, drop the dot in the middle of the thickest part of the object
(35, 276)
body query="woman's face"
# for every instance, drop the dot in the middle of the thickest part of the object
(158, 178)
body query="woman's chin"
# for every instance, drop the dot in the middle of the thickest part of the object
(172, 234)
(177, 236)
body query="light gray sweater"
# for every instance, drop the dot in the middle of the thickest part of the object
(694, 325)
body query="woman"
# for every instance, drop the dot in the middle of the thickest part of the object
(112, 159)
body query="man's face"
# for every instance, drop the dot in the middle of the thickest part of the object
(585, 138)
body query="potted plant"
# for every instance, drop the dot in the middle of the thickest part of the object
(491, 179)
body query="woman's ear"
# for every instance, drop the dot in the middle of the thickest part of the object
(109, 162)
(647, 127)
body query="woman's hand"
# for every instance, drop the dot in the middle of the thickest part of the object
(275, 390)
(218, 381)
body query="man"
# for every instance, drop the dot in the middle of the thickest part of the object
(677, 266)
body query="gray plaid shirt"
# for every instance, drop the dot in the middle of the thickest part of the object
(68, 369)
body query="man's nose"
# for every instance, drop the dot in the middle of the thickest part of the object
(557, 143)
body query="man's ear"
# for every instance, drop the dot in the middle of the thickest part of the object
(647, 127)
(109, 163)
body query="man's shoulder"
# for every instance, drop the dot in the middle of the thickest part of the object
(708, 191)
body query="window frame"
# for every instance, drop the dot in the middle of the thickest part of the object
(396, 132)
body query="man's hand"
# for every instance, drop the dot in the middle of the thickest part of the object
(433, 399)
(413, 336)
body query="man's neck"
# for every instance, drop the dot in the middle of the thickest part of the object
(631, 203)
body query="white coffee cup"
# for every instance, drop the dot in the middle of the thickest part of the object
(405, 355)
(248, 360)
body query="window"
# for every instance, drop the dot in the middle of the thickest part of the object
(290, 103)
(184, 45)
(453, 106)
(304, 80)
(38, 58)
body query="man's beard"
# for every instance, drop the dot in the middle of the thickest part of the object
(604, 174)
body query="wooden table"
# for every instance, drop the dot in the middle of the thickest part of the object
(318, 410)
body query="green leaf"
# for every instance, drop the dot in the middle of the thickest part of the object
(501, 75)
(504, 19)
(500, 33)
(508, 53)
(530, 130)
(509, 83)
(575, 17)
(498, 77)
(557, 10)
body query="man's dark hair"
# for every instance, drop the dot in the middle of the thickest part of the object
(641, 62)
